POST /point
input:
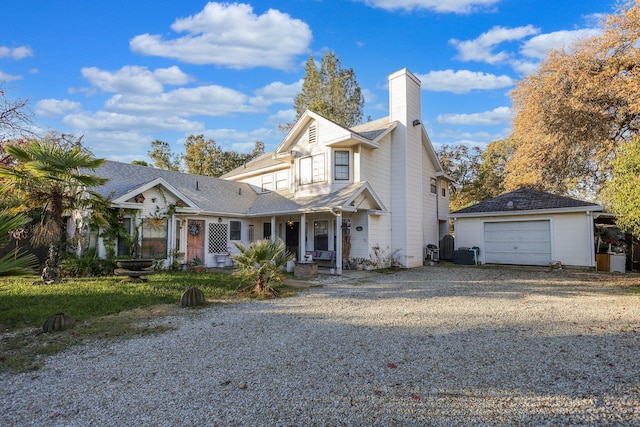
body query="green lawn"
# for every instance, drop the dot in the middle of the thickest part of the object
(103, 307)
(23, 304)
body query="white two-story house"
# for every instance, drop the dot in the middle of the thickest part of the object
(376, 185)
(328, 191)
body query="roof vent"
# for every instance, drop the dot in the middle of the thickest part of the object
(313, 134)
(510, 204)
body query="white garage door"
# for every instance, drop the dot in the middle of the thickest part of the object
(517, 242)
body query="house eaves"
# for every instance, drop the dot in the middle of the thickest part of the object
(516, 212)
(151, 184)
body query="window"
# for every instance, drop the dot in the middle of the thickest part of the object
(266, 230)
(312, 169)
(443, 187)
(434, 188)
(124, 238)
(282, 180)
(341, 166)
(267, 182)
(154, 238)
(178, 232)
(235, 228)
(321, 235)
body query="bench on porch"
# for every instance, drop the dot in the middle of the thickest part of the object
(324, 258)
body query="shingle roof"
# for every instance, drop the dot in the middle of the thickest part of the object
(210, 194)
(371, 130)
(525, 199)
(264, 161)
(274, 202)
(215, 194)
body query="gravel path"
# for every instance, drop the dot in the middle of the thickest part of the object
(439, 345)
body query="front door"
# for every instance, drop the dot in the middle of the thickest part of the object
(292, 237)
(195, 239)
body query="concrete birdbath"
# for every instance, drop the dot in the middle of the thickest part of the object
(134, 269)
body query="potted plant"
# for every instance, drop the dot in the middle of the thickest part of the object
(196, 264)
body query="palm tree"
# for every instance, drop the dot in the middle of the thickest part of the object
(15, 262)
(50, 174)
(263, 262)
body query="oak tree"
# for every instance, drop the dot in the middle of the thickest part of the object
(576, 111)
(163, 157)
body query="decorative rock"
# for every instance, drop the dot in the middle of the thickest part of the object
(192, 297)
(58, 322)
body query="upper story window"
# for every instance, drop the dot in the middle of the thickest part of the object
(443, 188)
(341, 165)
(282, 180)
(434, 188)
(267, 182)
(312, 169)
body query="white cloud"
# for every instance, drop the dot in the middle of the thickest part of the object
(231, 35)
(481, 49)
(6, 77)
(16, 53)
(494, 117)
(122, 146)
(276, 93)
(55, 108)
(212, 100)
(441, 6)
(243, 141)
(282, 117)
(369, 96)
(134, 79)
(108, 121)
(539, 46)
(463, 81)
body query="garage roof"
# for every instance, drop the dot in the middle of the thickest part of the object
(527, 199)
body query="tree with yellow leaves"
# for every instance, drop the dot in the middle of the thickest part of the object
(574, 114)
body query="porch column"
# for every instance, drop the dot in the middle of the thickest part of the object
(303, 237)
(338, 247)
(273, 229)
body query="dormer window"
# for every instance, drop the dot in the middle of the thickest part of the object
(313, 134)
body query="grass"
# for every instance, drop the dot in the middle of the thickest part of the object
(103, 307)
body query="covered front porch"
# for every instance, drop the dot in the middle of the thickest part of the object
(331, 230)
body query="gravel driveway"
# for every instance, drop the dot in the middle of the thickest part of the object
(444, 345)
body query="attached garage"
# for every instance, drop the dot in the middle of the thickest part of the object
(529, 227)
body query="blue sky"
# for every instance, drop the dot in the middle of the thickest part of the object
(123, 73)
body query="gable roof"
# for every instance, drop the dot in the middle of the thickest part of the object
(265, 161)
(208, 194)
(275, 203)
(526, 200)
